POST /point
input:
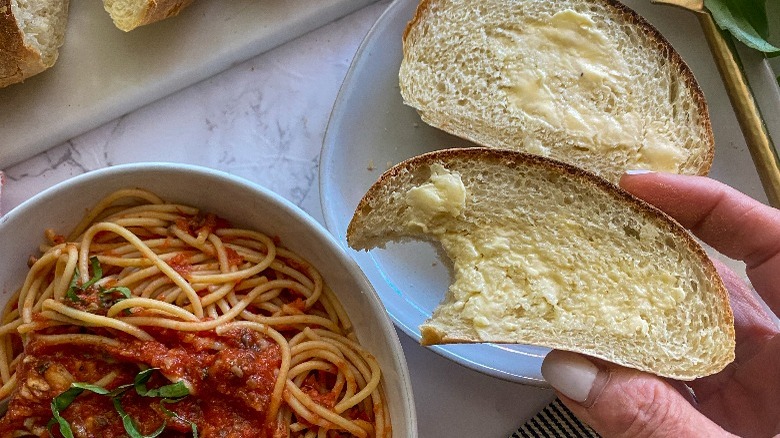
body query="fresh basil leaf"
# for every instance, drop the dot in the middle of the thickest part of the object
(90, 387)
(142, 377)
(172, 414)
(65, 429)
(171, 394)
(746, 20)
(174, 390)
(124, 291)
(97, 273)
(100, 390)
(62, 401)
(129, 424)
(59, 404)
(73, 287)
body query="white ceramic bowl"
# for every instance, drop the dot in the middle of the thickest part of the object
(244, 204)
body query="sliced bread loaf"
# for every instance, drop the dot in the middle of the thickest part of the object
(588, 82)
(548, 254)
(31, 33)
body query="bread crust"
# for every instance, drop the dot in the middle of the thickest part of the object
(17, 60)
(360, 236)
(628, 15)
(511, 159)
(154, 10)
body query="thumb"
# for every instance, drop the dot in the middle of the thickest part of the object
(622, 402)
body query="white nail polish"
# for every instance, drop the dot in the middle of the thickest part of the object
(638, 171)
(570, 373)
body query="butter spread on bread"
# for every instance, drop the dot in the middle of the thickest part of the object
(548, 254)
(588, 82)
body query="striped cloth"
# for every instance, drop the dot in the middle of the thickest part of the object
(554, 421)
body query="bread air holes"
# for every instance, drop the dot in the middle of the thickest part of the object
(631, 232)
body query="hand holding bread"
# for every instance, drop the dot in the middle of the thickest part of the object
(743, 399)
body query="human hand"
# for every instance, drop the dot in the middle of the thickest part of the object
(744, 398)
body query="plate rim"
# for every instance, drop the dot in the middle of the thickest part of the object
(447, 351)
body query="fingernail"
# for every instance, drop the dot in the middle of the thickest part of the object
(570, 373)
(639, 171)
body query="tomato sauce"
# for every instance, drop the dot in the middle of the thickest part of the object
(231, 378)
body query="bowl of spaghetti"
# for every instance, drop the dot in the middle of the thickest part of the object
(163, 299)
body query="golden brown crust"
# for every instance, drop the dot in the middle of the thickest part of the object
(419, 165)
(512, 159)
(155, 10)
(17, 61)
(685, 72)
(162, 9)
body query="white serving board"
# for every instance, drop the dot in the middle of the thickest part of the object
(103, 72)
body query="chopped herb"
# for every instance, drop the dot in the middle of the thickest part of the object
(174, 390)
(169, 393)
(130, 426)
(124, 291)
(97, 274)
(172, 414)
(73, 287)
(106, 295)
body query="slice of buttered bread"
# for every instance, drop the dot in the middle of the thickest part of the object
(31, 33)
(588, 82)
(548, 254)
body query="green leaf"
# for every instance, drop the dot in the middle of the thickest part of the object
(170, 393)
(746, 20)
(73, 287)
(59, 404)
(97, 273)
(100, 390)
(172, 414)
(130, 425)
(124, 291)
(174, 390)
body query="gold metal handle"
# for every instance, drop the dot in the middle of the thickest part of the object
(757, 137)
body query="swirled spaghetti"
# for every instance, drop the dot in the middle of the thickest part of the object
(158, 318)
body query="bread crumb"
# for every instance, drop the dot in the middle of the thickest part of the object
(371, 166)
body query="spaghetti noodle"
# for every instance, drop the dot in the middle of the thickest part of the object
(236, 335)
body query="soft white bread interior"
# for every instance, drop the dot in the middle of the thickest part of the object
(548, 254)
(588, 82)
(31, 33)
(129, 14)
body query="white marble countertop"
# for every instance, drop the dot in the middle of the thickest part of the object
(264, 120)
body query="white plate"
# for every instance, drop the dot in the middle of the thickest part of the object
(370, 129)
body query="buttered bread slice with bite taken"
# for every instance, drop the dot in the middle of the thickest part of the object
(588, 82)
(548, 254)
